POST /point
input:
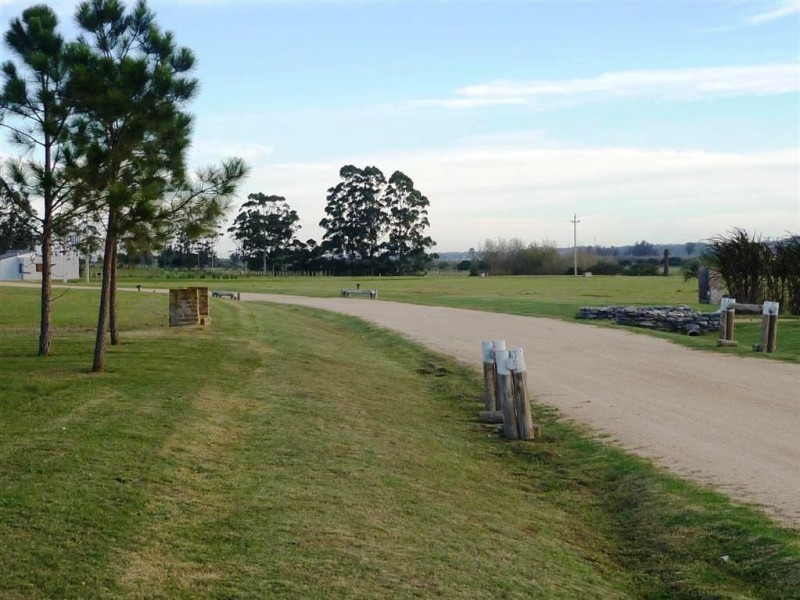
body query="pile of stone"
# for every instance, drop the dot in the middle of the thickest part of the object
(664, 318)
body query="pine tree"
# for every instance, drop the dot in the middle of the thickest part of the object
(35, 109)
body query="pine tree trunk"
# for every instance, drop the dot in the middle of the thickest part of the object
(46, 324)
(99, 363)
(112, 300)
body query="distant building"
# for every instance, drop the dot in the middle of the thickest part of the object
(26, 265)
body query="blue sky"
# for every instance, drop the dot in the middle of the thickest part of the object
(665, 121)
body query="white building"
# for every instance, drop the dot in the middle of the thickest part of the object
(26, 265)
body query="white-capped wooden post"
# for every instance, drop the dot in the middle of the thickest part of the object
(505, 395)
(729, 323)
(769, 326)
(488, 349)
(727, 316)
(516, 365)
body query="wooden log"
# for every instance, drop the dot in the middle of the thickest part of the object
(723, 325)
(491, 416)
(772, 333)
(498, 345)
(505, 395)
(489, 384)
(770, 313)
(490, 373)
(729, 323)
(752, 308)
(516, 364)
(762, 340)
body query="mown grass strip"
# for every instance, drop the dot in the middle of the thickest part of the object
(542, 296)
(292, 453)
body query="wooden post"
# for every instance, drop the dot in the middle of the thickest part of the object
(770, 320)
(505, 395)
(490, 373)
(729, 323)
(772, 334)
(727, 316)
(723, 318)
(516, 365)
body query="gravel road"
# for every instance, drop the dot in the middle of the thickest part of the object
(728, 421)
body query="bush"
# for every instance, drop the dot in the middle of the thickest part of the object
(607, 268)
(690, 268)
(755, 271)
(641, 269)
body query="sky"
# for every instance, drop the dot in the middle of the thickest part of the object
(665, 121)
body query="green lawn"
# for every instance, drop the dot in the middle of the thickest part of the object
(546, 296)
(289, 453)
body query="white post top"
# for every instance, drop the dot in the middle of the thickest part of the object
(501, 358)
(770, 308)
(488, 349)
(725, 302)
(516, 360)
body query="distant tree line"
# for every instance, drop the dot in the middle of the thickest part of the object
(515, 257)
(372, 226)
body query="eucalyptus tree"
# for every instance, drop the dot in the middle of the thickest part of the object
(131, 86)
(36, 110)
(407, 245)
(265, 229)
(357, 219)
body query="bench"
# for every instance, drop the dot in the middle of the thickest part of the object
(222, 294)
(373, 294)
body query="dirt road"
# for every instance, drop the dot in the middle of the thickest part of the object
(730, 421)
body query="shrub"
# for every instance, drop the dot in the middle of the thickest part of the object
(755, 271)
(641, 269)
(607, 268)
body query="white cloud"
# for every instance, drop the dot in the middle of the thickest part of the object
(621, 194)
(779, 10)
(672, 84)
(785, 9)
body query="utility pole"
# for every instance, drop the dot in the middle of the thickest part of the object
(575, 222)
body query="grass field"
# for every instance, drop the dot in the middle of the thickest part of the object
(546, 296)
(264, 457)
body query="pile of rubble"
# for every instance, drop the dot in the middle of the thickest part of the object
(664, 318)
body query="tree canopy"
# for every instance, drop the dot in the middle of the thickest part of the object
(265, 230)
(376, 226)
(36, 109)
